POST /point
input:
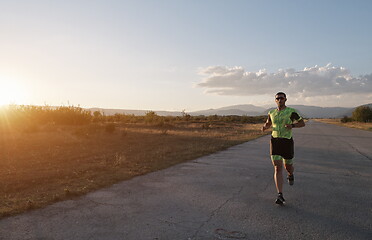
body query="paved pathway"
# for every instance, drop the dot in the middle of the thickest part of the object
(226, 195)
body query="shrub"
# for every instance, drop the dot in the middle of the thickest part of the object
(150, 117)
(346, 119)
(362, 114)
(98, 116)
(185, 115)
(21, 114)
(213, 117)
(71, 115)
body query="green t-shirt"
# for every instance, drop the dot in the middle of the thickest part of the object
(280, 118)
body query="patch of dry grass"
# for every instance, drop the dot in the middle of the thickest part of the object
(358, 125)
(52, 163)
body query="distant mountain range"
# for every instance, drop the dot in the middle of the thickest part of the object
(245, 109)
(134, 112)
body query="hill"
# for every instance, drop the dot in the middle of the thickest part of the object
(322, 112)
(134, 112)
(244, 109)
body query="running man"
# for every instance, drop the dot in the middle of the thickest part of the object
(282, 119)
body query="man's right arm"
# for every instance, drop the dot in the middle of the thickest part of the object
(267, 124)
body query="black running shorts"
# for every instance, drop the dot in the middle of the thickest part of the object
(282, 146)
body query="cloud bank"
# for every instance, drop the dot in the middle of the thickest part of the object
(323, 83)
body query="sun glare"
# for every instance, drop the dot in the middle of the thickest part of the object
(10, 92)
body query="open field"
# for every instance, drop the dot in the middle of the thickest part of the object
(226, 195)
(359, 125)
(49, 163)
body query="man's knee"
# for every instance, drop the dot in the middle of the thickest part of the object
(288, 166)
(278, 166)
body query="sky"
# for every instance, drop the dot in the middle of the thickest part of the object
(185, 55)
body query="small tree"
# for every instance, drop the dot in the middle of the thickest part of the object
(97, 114)
(362, 114)
(151, 117)
(346, 119)
(185, 115)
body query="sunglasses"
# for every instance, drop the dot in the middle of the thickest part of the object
(279, 98)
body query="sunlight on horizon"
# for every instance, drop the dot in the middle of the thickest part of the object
(11, 92)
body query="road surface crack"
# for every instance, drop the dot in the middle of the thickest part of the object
(214, 212)
(356, 149)
(104, 204)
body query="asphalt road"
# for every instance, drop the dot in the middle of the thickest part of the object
(227, 195)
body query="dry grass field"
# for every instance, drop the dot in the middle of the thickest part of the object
(48, 163)
(358, 125)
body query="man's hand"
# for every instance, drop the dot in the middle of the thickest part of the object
(264, 128)
(267, 124)
(288, 126)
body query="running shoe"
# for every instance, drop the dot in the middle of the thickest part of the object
(280, 199)
(290, 179)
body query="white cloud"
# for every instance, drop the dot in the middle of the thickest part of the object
(327, 83)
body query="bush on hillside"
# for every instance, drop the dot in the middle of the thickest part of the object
(18, 115)
(362, 114)
(346, 119)
(152, 117)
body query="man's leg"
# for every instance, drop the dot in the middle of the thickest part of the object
(288, 163)
(289, 168)
(278, 176)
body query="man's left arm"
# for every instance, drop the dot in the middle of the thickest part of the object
(299, 124)
(296, 117)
